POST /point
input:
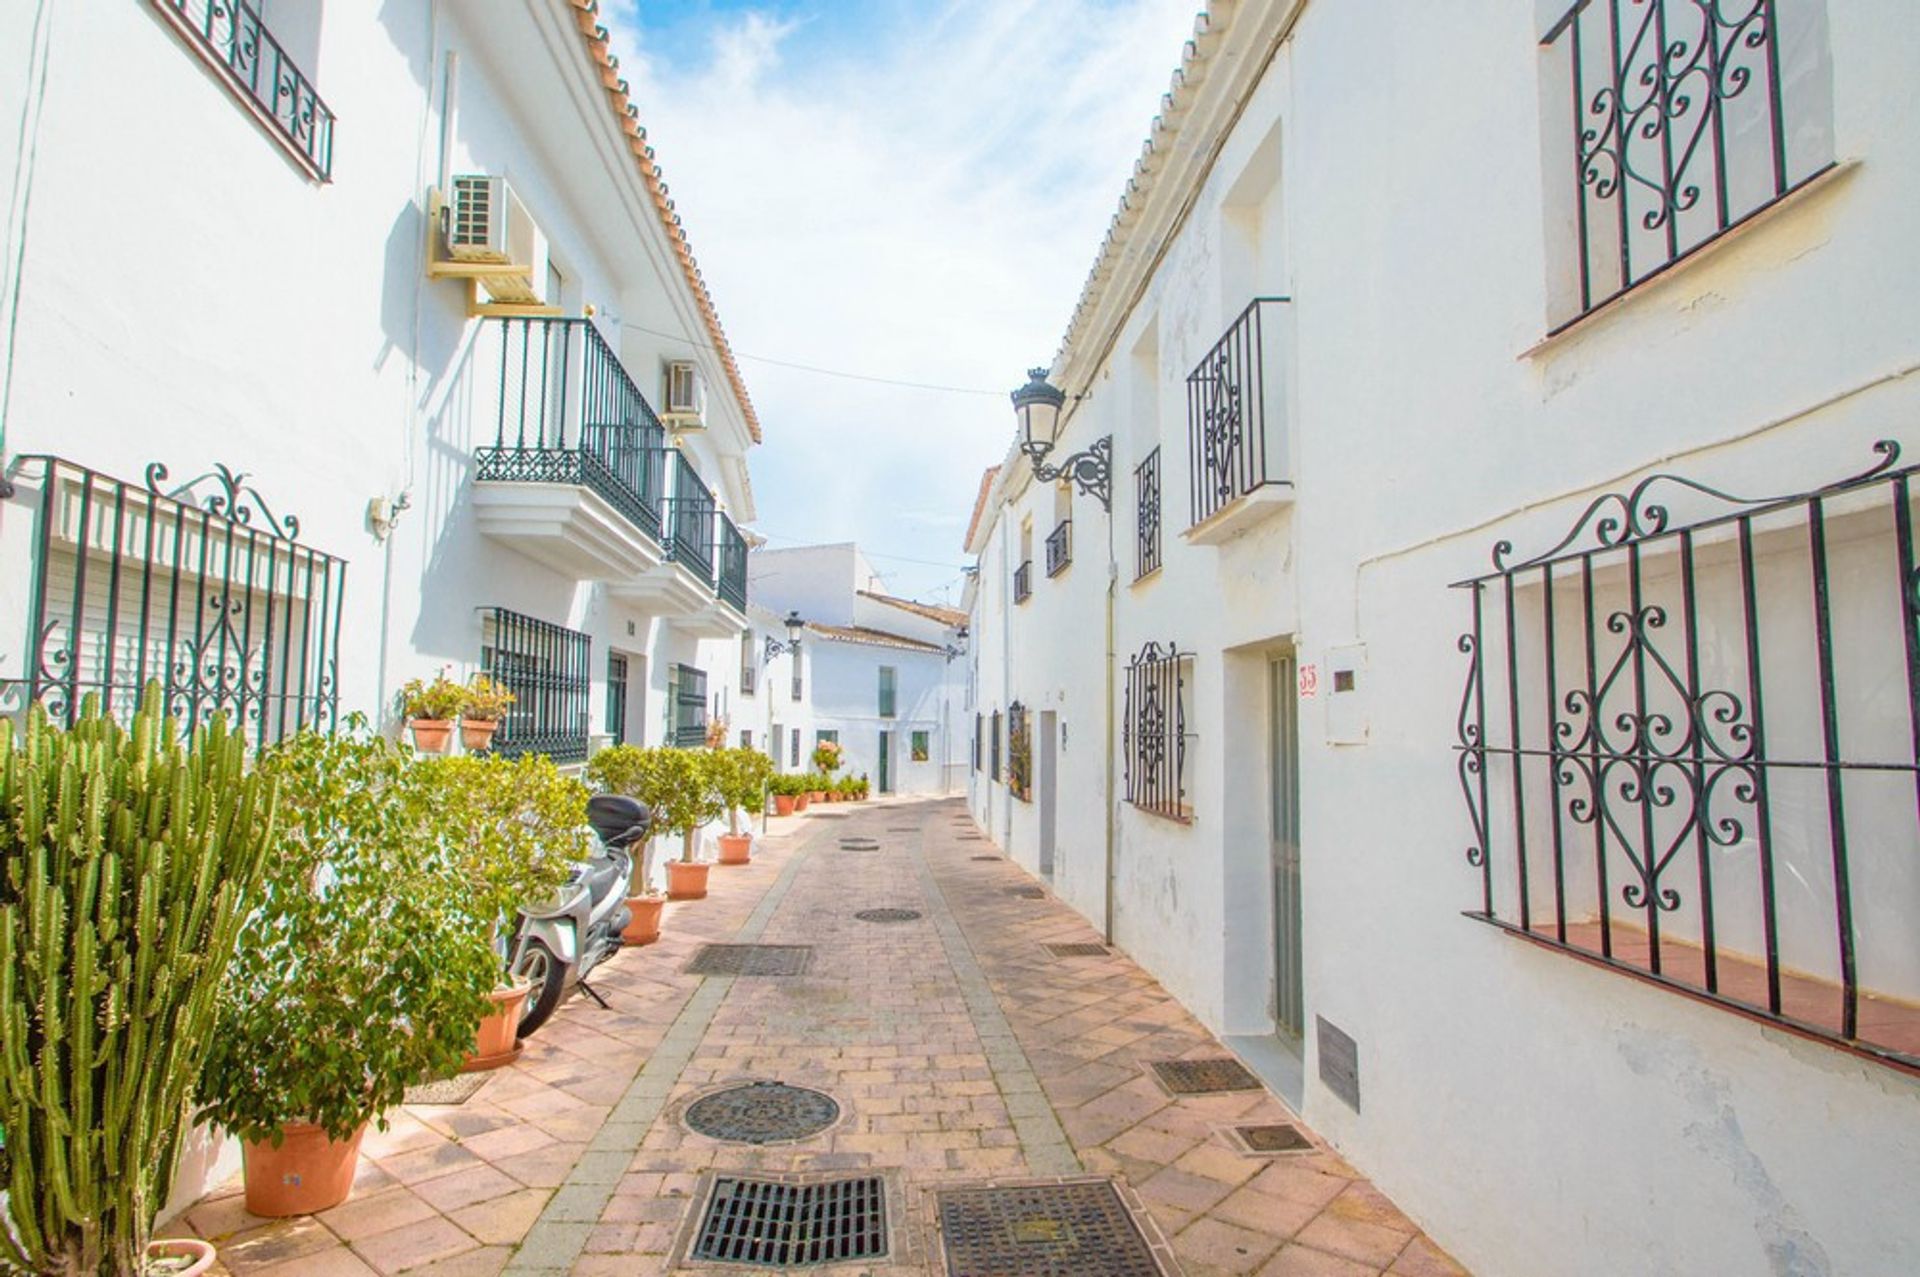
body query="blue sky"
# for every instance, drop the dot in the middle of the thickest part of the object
(901, 189)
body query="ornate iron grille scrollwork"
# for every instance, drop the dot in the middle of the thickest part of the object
(1154, 731)
(1019, 752)
(1060, 548)
(1146, 488)
(1680, 757)
(545, 667)
(230, 35)
(1227, 415)
(1683, 126)
(689, 707)
(1023, 582)
(199, 586)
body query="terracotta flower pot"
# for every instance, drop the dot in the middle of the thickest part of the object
(802, 801)
(783, 804)
(644, 926)
(192, 1248)
(477, 733)
(817, 795)
(306, 1174)
(736, 849)
(686, 881)
(431, 735)
(497, 1040)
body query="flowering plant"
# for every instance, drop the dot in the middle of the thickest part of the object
(826, 756)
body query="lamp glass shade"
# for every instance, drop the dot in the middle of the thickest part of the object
(1037, 404)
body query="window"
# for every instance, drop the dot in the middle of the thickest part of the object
(979, 731)
(888, 678)
(617, 697)
(1146, 500)
(196, 585)
(1060, 548)
(919, 748)
(262, 72)
(1236, 411)
(798, 687)
(794, 759)
(1019, 753)
(1023, 574)
(826, 737)
(996, 745)
(746, 738)
(749, 663)
(1670, 122)
(1687, 749)
(1154, 731)
(687, 699)
(545, 667)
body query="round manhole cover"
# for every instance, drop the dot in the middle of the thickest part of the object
(763, 1113)
(888, 915)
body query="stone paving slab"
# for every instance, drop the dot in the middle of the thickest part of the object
(958, 1048)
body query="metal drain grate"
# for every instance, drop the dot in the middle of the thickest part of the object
(1205, 1077)
(986, 857)
(1077, 950)
(859, 844)
(751, 959)
(773, 1223)
(1280, 1137)
(1042, 1230)
(902, 829)
(763, 1113)
(888, 915)
(1027, 893)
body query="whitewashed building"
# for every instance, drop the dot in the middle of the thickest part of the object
(365, 343)
(878, 674)
(1497, 673)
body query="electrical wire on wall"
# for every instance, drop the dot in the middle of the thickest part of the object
(19, 205)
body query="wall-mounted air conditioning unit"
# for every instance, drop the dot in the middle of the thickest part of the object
(686, 395)
(488, 235)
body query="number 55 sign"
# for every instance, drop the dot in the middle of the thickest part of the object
(1309, 681)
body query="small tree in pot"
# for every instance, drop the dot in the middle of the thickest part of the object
(630, 770)
(741, 776)
(512, 828)
(361, 973)
(685, 798)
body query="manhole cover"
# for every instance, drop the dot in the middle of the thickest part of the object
(453, 1090)
(773, 1223)
(1027, 893)
(1203, 1077)
(1077, 950)
(1281, 1137)
(763, 1113)
(1042, 1230)
(888, 915)
(751, 959)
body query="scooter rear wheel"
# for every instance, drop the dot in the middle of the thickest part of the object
(548, 974)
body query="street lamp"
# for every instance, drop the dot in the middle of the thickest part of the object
(1037, 404)
(794, 625)
(957, 649)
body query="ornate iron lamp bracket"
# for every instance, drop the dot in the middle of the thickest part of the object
(1090, 471)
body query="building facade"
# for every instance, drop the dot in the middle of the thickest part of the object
(879, 675)
(1496, 669)
(399, 362)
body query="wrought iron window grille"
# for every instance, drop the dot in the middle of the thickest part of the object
(1019, 753)
(888, 691)
(617, 697)
(1230, 408)
(979, 731)
(691, 512)
(1154, 731)
(545, 666)
(1146, 544)
(198, 586)
(995, 773)
(1060, 548)
(230, 36)
(569, 413)
(731, 579)
(749, 666)
(1683, 118)
(1023, 582)
(1683, 755)
(689, 707)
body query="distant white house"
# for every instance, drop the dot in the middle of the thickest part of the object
(878, 674)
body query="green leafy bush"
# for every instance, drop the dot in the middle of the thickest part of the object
(741, 776)
(362, 971)
(678, 784)
(485, 701)
(512, 828)
(437, 701)
(129, 861)
(826, 756)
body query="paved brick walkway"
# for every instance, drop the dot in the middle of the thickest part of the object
(959, 1048)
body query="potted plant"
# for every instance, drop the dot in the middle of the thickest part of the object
(688, 799)
(430, 710)
(741, 776)
(862, 788)
(360, 975)
(108, 1008)
(512, 828)
(628, 769)
(786, 794)
(803, 795)
(817, 787)
(486, 703)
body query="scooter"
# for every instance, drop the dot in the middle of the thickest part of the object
(559, 943)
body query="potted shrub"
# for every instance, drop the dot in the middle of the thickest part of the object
(512, 828)
(862, 788)
(803, 793)
(108, 1008)
(786, 793)
(741, 776)
(817, 787)
(629, 770)
(430, 710)
(486, 703)
(688, 800)
(360, 975)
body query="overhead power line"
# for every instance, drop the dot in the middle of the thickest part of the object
(823, 372)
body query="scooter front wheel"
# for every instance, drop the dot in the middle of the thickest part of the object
(541, 967)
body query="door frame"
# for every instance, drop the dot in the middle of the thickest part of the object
(1046, 766)
(1283, 832)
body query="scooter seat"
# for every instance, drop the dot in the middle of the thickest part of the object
(619, 820)
(599, 877)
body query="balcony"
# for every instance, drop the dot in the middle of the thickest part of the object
(1237, 432)
(1060, 548)
(575, 475)
(701, 580)
(230, 36)
(1023, 582)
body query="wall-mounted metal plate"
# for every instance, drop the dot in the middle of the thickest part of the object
(1042, 1230)
(888, 915)
(1339, 1063)
(779, 1223)
(1078, 950)
(1275, 1137)
(751, 959)
(1205, 1077)
(762, 1113)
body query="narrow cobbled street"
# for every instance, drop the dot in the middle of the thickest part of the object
(974, 1033)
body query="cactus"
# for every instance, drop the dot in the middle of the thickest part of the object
(128, 861)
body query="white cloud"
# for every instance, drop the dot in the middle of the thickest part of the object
(920, 199)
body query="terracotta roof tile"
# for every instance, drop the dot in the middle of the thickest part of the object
(873, 637)
(980, 503)
(931, 611)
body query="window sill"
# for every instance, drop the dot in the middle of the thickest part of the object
(1241, 513)
(1184, 817)
(1146, 578)
(1737, 233)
